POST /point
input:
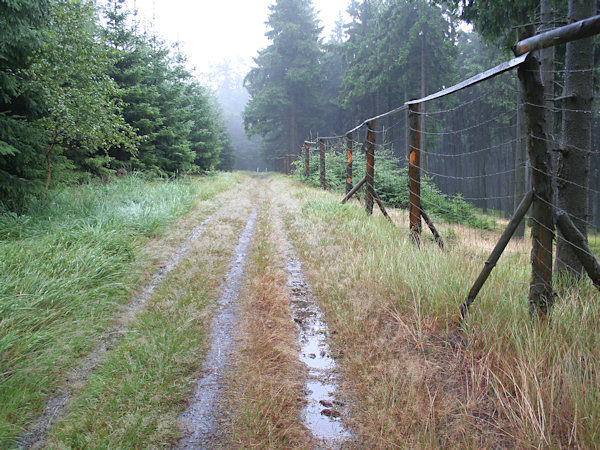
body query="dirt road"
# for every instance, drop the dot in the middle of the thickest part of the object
(261, 372)
(274, 317)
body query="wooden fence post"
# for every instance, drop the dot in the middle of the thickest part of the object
(349, 144)
(370, 175)
(322, 162)
(541, 296)
(306, 159)
(414, 172)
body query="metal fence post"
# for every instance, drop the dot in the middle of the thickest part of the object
(370, 176)
(414, 172)
(349, 144)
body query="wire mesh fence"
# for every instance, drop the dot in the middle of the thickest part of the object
(465, 161)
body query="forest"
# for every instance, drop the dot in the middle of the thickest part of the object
(86, 92)
(305, 86)
(179, 267)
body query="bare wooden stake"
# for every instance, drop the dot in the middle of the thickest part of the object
(433, 229)
(580, 247)
(349, 144)
(322, 163)
(354, 190)
(306, 159)
(414, 173)
(381, 207)
(497, 252)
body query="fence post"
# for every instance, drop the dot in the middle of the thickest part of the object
(306, 159)
(414, 172)
(349, 144)
(541, 296)
(370, 176)
(322, 162)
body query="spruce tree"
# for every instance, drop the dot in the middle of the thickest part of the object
(21, 161)
(284, 85)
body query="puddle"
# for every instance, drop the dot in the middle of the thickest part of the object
(56, 404)
(199, 419)
(322, 414)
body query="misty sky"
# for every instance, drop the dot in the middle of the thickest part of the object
(217, 30)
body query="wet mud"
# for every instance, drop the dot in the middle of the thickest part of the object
(200, 419)
(57, 403)
(323, 413)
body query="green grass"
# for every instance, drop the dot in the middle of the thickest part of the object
(65, 267)
(133, 400)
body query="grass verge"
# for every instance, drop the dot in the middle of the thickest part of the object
(418, 380)
(66, 265)
(135, 397)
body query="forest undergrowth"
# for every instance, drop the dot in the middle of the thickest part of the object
(391, 182)
(422, 379)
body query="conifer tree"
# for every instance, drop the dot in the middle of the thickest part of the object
(21, 161)
(284, 85)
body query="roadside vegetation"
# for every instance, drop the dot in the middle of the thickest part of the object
(418, 377)
(67, 264)
(135, 397)
(392, 186)
(86, 92)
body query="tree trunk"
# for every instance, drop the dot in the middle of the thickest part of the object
(547, 57)
(573, 170)
(541, 295)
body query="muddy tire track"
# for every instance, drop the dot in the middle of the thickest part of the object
(323, 413)
(57, 405)
(201, 416)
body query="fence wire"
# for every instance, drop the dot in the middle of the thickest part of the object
(474, 168)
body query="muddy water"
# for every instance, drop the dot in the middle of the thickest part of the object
(323, 412)
(56, 405)
(199, 419)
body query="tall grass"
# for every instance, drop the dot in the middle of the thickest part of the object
(499, 380)
(134, 398)
(65, 266)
